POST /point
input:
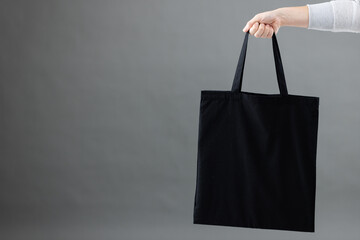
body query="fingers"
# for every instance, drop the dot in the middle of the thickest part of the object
(263, 25)
(271, 32)
(254, 28)
(251, 22)
(267, 32)
(261, 30)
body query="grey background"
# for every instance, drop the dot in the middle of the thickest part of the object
(99, 106)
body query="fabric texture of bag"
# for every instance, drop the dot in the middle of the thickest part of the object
(256, 159)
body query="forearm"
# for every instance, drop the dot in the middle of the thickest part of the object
(293, 16)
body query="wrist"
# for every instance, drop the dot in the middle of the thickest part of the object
(281, 14)
(293, 16)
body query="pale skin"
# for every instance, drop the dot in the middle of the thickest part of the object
(263, 25)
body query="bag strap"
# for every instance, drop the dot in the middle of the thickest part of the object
(236, 86)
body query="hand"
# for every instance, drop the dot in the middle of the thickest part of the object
(264, 24)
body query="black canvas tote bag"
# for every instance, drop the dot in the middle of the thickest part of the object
(256, 159)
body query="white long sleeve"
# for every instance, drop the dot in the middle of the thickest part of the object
(335, 16)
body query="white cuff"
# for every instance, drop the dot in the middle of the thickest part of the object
(321, 16)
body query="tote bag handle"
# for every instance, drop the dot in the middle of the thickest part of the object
(236, 86)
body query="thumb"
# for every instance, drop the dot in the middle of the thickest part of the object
(251, 22)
